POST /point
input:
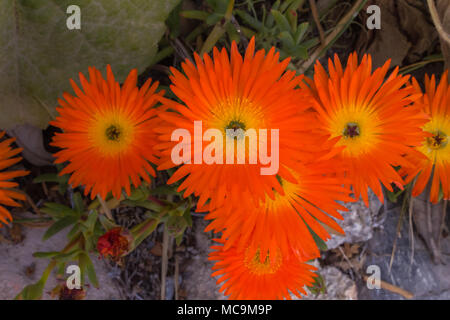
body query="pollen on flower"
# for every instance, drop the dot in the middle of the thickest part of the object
(258, 267)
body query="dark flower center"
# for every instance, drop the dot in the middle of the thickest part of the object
(352, 130)
(234, 126)
(113, 133)
(438, 140)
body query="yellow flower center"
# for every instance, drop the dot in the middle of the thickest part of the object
(436, 146)
(237, 113)
(111, 133)
(358, 129)
(254, 264)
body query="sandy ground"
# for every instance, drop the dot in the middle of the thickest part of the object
(19, 268)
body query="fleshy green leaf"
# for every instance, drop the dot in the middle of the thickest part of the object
(59, 225)
(39, 54)
(57, 210)
(86, 262)
(33, 291)
(281, 20)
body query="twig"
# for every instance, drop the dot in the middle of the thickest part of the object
(181, 50)
(315, 14)
(392, 288)
(105, 208)
(44, 187)
(437, 22)
(33, 205)
(161, 68)
(348, 261)
(329, 39)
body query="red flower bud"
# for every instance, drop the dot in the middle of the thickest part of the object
(115, 243)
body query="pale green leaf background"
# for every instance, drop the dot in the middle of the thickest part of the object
(39, 54)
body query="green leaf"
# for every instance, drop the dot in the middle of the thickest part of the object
(143, 230)
(106, 223)
(74, 231)
(319, 242)
(318, 286)
(287, 39)
(47, 177)
(91, 220)
(251, 21)
(46, 255)
(188, 217)
(68, 256)
(57, 210)
(150, 205)
(195, 14)
(165, 190)
(301, 52)
(301, 31)
(87, 262)
(78, 202)
(281, 20)
(39, 54)
(32, 291)
(59, 225)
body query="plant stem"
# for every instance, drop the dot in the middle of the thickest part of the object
(105, 207)
(315, 14)
(437, 22)
(342, 24)
(218, 31)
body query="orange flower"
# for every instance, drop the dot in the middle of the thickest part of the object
(7, 194)
(114, 243)
(435, 147)
(285, 222)
(254, 92)
(108, 133)
(245, 275)
(372, 119)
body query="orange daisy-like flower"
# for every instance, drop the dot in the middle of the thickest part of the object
(246, 276)
(286, 221)
(108, 135)
(231, 94)
(371, 118)
(7, 194)
(435, 147)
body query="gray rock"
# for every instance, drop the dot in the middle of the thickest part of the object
(359, 222)
(422, 277)
(339, 286)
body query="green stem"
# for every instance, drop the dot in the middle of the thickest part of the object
(218, 31)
